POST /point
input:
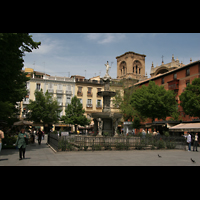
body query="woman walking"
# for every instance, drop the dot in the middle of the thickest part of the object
(21, 143)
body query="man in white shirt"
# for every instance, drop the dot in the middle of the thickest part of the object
(188, 140)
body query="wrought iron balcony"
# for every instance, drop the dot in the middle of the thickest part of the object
(89, 106)
(68, 92)
(50, 90)
(173, 85)
(59, 91)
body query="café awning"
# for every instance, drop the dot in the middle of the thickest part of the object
(190, 127)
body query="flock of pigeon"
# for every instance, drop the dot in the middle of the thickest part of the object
(190, 158)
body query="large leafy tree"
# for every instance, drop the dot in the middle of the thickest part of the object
(190, 99)
(74, 114)
(44, 109)
(122, 100)
(12, 80)
(154, 101)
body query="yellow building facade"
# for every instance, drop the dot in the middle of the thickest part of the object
(86, 90)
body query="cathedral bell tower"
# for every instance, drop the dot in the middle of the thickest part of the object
(131, 65)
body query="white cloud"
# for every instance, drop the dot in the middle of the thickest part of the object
(105, 38)
(108, 38)
(143, 35)
(44, 49)
(48, 45)
(93, 36)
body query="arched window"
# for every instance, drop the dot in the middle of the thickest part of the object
(123, 68)
(137, 66)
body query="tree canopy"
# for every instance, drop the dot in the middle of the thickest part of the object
(74, 114)
(44, 109)
(122, 100)
(190, 99)
(12, 79)
(154, 101)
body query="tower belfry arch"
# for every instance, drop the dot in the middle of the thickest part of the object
(131, 65)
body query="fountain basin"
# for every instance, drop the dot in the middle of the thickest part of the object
(104, 115)
(106, 121)
(109, 122)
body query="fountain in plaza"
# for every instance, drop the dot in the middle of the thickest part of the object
(106, 121)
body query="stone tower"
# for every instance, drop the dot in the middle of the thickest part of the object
(131, 65)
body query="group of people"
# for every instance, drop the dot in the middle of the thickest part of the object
(39, 134)
(191, 138)
(22, 140)
(23, 137)
(155, 133)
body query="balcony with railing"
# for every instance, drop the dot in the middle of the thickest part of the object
(89, 106)
(98, 106)
(68, 92)
(79, 94)
(89, 94)
(50, 90)
(59, 91)
(173, 85)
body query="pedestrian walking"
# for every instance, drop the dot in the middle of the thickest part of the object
(154, 133)
(39, 136)
(21, 143)
(195, 143)
(1, 137)
(188, 140)
(32, 136)
(143, 133)
(43, 133)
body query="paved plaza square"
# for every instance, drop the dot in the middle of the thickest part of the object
(42, 155)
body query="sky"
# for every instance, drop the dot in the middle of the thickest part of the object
(67, 54)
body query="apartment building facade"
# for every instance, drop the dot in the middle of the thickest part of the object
(176, 80)
(62, 88)
(86, 90)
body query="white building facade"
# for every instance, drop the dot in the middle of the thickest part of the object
(62, 88)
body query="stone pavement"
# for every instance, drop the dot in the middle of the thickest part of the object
(42, 155)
